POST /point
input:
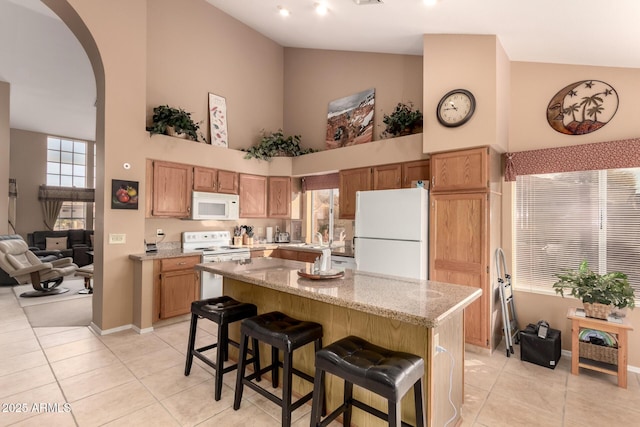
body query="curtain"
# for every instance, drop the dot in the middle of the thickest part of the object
(13, 196)
(320, 182)
(597, 156)
(50, 212)
(52, 198)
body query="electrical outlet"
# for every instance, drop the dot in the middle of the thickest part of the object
(159, 232)
(117, 239)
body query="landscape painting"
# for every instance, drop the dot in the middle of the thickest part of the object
(350, 120)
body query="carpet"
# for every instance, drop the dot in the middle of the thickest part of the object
(68, 309)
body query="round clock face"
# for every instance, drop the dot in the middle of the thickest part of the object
(456, 107)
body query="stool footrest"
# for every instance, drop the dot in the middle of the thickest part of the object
(275, 399)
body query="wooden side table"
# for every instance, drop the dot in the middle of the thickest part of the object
(619, 329)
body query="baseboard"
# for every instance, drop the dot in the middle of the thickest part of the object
(109, 331)
(142, 331)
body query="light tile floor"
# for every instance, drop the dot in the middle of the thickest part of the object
(126, 379)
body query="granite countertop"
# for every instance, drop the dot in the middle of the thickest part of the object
(420, 302)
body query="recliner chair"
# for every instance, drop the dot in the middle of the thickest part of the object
(20, 263)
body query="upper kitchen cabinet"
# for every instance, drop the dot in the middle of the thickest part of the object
(413, 172)
(462, 170)
(215, 180)
(279, 197)
(351, 181)
(253, 196)
(171, 189)
(387, 177)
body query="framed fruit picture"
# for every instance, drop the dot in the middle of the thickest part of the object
(124, 194)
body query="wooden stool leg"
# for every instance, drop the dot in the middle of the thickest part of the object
(242, 356)
(191, 344)
(348, 399)
(275, 369)
(419, 404)
(395, 414)
(286, 387)
(318, 397)
(220, 355)
(256, 359)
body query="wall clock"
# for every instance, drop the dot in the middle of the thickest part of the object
(456, 108)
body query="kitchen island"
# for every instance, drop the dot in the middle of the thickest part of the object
(400, 314)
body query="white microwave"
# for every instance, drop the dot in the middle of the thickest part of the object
(215, 206)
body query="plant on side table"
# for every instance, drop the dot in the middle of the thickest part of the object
(599, 293)
(174, 122)
(275, 144)
(404, 120)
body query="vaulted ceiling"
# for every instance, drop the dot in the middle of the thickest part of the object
(53, 88)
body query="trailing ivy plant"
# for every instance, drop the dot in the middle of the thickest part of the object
(276, 144)
(181, 121)
(404, 120)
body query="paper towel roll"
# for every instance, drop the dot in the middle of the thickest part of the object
(269, 234)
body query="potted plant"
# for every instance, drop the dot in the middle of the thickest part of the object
(598, 292)
(175, 122)
(404, 120)
(275, 144)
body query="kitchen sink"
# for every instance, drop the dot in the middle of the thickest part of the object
(307, 245)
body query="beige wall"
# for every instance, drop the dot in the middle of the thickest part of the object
(471, 62)
(5, 90)
(194, 49)
(28, 166)
(534, 84)
(313, 78)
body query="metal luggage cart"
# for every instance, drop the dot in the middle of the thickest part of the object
(509, 319)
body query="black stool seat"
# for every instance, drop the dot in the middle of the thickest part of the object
(222, 311)
(283, 333)
(390, 374)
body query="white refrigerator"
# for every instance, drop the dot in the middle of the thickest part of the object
(391, 232)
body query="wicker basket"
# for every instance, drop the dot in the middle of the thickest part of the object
(599, 352)
(597, 310)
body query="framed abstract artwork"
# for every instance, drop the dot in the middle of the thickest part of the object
(350, 120)
(218, 120)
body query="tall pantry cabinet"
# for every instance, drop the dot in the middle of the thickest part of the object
(464, 232)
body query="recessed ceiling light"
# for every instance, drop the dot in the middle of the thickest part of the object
(361, 2)
(429, 2)
(321, 8)
(283, 11)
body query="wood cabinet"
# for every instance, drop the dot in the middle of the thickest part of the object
(176, 286)
(279, 197)
(215, 180)
(387, 177)
(351, 181)
(253, 196)
(294, 255)
(463, 170)
(458, 253)
(171, 189)
(415, 171)
(464, 201)
(264, 253)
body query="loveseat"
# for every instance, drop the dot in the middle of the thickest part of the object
(71, 243)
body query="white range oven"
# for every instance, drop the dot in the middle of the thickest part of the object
(215, 247)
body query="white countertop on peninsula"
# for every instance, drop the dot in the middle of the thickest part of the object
(421, 302)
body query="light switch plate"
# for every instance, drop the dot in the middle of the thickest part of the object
(117, 239)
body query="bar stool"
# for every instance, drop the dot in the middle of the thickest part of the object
(222, 311)
(387, 373)
(284, 333)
